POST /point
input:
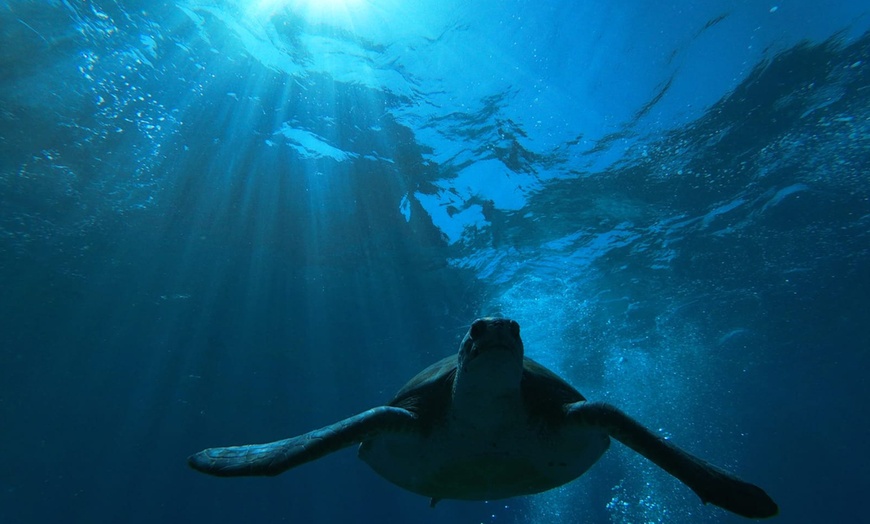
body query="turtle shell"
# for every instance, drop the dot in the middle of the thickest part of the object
(429, 393)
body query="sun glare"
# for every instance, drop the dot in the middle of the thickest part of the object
(313, 10)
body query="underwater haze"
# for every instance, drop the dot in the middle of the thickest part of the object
(229, 221)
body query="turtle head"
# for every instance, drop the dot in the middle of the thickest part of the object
(491, 356)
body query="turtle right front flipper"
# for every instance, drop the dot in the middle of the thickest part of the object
(714, 485)
(277, 457)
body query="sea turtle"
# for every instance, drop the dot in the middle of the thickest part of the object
(484, 424)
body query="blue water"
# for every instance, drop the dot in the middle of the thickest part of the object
(230, 222)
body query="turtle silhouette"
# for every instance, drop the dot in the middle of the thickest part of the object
(488, 423)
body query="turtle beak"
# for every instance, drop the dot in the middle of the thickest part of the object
(490, 358)
(491, 335)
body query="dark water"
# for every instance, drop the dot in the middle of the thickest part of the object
(220, 225)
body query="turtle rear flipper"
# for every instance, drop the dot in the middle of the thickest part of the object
(714, 485)
(277, 457)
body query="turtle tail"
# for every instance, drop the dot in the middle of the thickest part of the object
(277, 457)
(714, 485)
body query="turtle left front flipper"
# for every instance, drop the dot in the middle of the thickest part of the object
(714, 485)
(277, 457)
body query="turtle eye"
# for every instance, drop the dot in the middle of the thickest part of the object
(515, 329)
(478, 328)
